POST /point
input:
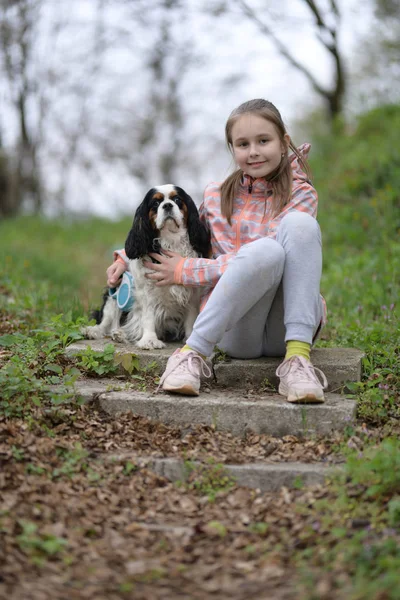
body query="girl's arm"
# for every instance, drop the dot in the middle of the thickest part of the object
(171, 268)
(191, 272)
(120, 256)
(201, 272)
(119, 266)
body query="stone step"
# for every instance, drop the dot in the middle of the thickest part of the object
(340, 365)
(227, 410)
(267, 477)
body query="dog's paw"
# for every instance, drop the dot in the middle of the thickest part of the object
(150, 344)
(92, 332)
(118, 336)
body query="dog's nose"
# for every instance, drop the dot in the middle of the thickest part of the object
(168, 207)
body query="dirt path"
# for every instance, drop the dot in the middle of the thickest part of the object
(75, 525)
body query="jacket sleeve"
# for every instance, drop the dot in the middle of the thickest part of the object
(304, 199)
(201, 272)
(120, 256)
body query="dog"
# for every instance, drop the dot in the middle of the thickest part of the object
(167, 219)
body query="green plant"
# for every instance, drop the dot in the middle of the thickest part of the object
(27, 378)
(129, 467)
(217, 528)
(128, 361)
(394, 512)
(126, 587)
(33, 469)
(18, 453)
(298, 482)
(208, 479)
(74, 461)
(377, 469)
(20, 388)
(151, 367)
(141, 382)
(260, 528)
(267, 386)
(354, 528)
(39, 546)
(94, 362)
(93, 476)
(220, 356)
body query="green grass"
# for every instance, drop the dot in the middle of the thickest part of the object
(53, 266)
(358, 180)
(208, 479)
(357, 176)
(354, 530)
(51, 274)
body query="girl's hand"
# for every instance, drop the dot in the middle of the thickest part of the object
(164, 272)
(114, 273)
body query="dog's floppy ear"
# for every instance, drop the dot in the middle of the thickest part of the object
(141, 236)
(199, 234)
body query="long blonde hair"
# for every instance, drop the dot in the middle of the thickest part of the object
(281, 179)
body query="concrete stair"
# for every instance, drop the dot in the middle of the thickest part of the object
(340, 365)
(267, 477)
(236, 402)
(226, 410)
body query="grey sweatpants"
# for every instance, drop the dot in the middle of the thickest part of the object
(269, 294)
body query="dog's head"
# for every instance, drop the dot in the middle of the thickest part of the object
(166, 210)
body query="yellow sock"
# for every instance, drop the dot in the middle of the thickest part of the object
(186, 348)
(295, 348)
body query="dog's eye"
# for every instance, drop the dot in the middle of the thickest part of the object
(155, 205)
(177, 201)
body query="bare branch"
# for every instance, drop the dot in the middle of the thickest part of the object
(335, 9)
(323, 27)
(263, 27)
(327, 36)
(314, 9)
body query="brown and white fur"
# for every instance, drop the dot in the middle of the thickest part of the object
(167, 219)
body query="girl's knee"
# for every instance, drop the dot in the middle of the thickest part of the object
(264, 252)
(300, 224)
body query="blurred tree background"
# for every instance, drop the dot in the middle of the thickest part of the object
(101, 99)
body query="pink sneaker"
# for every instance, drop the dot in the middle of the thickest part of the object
(182, 373)
(299, 381)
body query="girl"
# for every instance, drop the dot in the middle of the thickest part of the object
(261, 286)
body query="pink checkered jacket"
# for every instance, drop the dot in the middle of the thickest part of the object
(251, 220)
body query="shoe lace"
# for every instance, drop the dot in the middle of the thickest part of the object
(298, 364)
(179, 365)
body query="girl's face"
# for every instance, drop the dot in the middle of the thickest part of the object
(257, 147)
